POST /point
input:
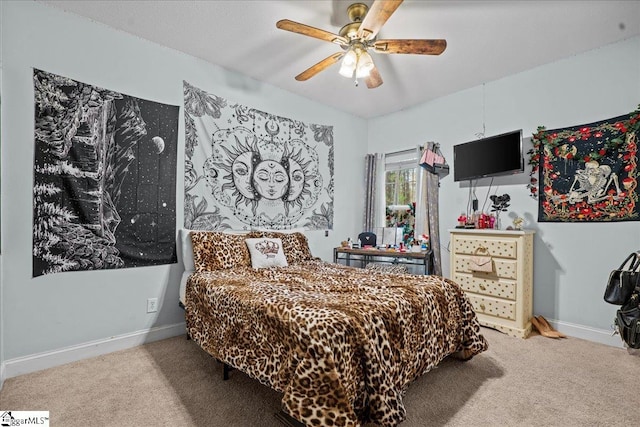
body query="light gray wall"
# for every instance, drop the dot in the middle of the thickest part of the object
(56, 311)
(2, 366)
(53, 312)
(572, 261)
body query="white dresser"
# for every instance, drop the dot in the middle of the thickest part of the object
(503, 298)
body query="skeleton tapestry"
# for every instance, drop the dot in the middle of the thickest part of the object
(104, 178)
(587, 173)
(247, 169)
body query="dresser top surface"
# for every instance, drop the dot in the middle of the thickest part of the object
(491, 231)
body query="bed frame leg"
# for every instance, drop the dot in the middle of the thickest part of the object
(225, 371)
(287, 419)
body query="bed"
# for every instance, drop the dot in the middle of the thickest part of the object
(342, 344)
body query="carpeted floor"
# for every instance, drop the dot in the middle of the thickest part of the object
(533, 382)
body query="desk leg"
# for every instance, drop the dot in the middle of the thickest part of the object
(427, 263)
(348, 260)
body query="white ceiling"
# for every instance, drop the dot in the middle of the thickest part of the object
(487, 40)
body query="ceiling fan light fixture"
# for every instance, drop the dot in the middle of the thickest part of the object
(365, 65)
(349, 64)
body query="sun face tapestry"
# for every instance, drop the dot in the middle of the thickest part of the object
(104, 178)
(587, 173)
(247, 169)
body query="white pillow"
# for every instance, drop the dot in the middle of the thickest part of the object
(266, 252)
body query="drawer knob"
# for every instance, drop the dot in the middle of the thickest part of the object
(482, 307)
(482, 287)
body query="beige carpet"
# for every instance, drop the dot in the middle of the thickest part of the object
(533, 382)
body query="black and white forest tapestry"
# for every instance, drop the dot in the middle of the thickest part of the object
(587, 173)
(247, 169)
(104, 178)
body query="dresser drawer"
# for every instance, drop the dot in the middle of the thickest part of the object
(486, 286)
(498, 248)
(504, 268)
(493, 307)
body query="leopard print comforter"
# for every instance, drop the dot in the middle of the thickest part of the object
(342, 344)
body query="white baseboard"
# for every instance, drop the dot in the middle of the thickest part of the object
(49, 359)
(2, 374)
(588, 333)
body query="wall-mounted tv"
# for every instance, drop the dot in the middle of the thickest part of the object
(491, 156)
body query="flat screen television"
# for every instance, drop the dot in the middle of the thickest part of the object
(491, 156)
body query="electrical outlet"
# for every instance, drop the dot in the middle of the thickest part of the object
(152, 305)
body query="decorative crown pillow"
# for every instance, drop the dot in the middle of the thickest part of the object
(295, 245)
(266, 252)
(214, 250)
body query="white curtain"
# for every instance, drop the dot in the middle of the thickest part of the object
(374, 212)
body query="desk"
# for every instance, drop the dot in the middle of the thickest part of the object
(367, 255)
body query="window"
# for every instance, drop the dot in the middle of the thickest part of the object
(401, 192)
(400, 186)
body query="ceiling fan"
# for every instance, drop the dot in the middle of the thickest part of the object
(358, 37)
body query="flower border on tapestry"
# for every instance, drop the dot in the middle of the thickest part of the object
(587, 173)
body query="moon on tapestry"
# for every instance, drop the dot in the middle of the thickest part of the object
(158, 143)
(246, 168)
(104, 178)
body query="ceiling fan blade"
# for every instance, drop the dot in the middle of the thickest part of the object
(375, 18)
(422, 47)
(374, 79)
(315, 69)
(306, 30)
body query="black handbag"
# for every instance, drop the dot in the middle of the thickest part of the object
(628, 321)
(623, 281)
